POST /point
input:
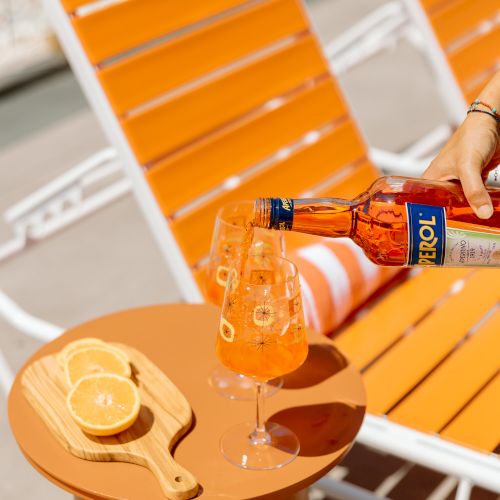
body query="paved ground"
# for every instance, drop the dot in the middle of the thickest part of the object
(109, 261)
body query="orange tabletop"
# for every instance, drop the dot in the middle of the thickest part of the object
(323, 402)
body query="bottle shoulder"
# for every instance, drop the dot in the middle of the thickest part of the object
(403, 184)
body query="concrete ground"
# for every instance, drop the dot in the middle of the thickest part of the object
(109, 261)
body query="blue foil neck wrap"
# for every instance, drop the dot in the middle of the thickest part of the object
(281, 216)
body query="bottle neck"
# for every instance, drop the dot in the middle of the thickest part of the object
(323, 216)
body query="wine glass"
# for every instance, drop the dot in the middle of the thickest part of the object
(227, 240)
(262, 335)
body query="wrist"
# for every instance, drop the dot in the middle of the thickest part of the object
(483, 120)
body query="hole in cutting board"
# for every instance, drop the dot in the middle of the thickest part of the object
(178, 479)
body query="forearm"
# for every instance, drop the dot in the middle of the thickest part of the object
(490, 96)
(491, 93)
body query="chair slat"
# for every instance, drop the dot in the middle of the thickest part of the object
(461, 17)
(195, 113)
(403, 366)
(288, 177)
(370, 335)
(476, 56)
(440, 397)
(243, 145)
(71, 5)
(472, 92)
(125, 25)
(478, 425)
(149, 74)
(431, 5)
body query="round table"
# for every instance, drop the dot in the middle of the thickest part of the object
(323, 402)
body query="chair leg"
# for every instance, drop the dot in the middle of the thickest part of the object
(463, 490)
(6, 376)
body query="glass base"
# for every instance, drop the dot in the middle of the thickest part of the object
(242, 448)
(232, 385)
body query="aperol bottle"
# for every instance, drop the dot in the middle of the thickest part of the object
(398, 221)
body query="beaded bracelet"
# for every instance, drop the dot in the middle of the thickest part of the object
(476, 103)
(493, 115)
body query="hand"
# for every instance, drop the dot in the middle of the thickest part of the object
(472, 151)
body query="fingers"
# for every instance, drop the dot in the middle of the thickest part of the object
(475, 192)
(429, 172)
(439, 170)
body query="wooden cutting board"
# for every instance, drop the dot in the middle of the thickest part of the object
(164, 418)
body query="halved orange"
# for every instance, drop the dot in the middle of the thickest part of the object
(94, 359)
(103, 404)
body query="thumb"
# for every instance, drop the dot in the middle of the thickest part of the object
(475, 192)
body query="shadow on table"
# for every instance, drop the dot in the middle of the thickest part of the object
(141, 427)
(322, 429)
(323, 361)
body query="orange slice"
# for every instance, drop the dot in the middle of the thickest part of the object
(95, 359)
(119, 352)
(104, 404)
(76, 344)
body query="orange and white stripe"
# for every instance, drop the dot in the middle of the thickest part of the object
(336, 278)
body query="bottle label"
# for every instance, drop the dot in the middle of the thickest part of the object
(282, 213)
(468, 245)
(426, 235)
(434, 241)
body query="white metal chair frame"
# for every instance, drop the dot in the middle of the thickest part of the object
(30, 325)
(65, 200)
(382, 30)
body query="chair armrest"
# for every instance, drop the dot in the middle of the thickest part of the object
(27, 323)
(58, 185)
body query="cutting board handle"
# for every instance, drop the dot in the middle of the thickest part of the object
(176, 482)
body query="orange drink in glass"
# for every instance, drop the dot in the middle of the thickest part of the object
(262, 335)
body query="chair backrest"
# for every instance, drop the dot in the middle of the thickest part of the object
(209, 102)
(468, 34)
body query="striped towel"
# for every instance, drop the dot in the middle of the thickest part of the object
(336, 278)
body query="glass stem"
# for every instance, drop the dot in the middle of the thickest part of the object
(260, 435)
